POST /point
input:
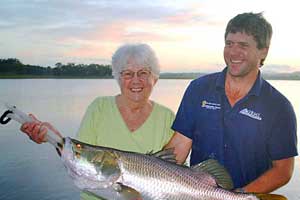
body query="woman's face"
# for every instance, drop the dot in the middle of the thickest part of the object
(136, 83)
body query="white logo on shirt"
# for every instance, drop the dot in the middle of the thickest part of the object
(250, 113)
(210, 105)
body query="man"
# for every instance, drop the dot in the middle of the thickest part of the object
(238, 118)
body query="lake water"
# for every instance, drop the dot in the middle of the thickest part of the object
(31, 171)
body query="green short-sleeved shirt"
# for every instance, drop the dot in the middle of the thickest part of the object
(103, 125)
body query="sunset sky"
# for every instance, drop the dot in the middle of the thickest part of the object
(187, 35)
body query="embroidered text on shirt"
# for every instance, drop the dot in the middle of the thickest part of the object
(210, 105)
(250, 113)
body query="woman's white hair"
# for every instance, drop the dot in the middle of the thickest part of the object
(139, 54)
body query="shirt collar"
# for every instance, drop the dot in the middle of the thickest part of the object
(220, 83)
(255, 90)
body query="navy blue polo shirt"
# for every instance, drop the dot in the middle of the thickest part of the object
(245, 138)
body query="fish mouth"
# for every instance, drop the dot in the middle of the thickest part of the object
(64, 145)
(60, 146)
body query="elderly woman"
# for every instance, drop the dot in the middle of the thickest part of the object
(130, 120)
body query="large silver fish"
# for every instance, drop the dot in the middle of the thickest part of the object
(114, 174)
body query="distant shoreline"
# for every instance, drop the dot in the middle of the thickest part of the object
(162, 76)
(12, 68)
(50, 77)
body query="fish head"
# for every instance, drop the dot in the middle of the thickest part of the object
(90, 167)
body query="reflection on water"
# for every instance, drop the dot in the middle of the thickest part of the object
(30, 171)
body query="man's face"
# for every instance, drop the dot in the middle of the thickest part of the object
(242, 55)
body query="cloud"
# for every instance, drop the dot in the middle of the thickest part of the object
(76, 28)
(77, 13)
(92, 30)
(182, 32)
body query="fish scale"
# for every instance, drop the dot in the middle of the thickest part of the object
(174, 183)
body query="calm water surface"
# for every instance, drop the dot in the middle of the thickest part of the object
(30, 171)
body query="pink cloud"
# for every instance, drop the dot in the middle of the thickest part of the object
(130, 31)
(88, 51)
(193, 14)
(183, 18)
(103, 41)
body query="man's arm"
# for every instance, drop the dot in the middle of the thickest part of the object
(182, 146)
(277, 176)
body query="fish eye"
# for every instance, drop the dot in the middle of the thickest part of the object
(78, 146)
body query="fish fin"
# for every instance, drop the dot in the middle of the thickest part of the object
(117, 191)
(165, 154)
(217, 171)
(127, 193)
(270, 197)
(91, 193)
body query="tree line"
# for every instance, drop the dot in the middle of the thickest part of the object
(13, 66)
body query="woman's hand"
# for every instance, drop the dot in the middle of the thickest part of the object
(37, 130)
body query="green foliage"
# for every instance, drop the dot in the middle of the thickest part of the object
(13, 67)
